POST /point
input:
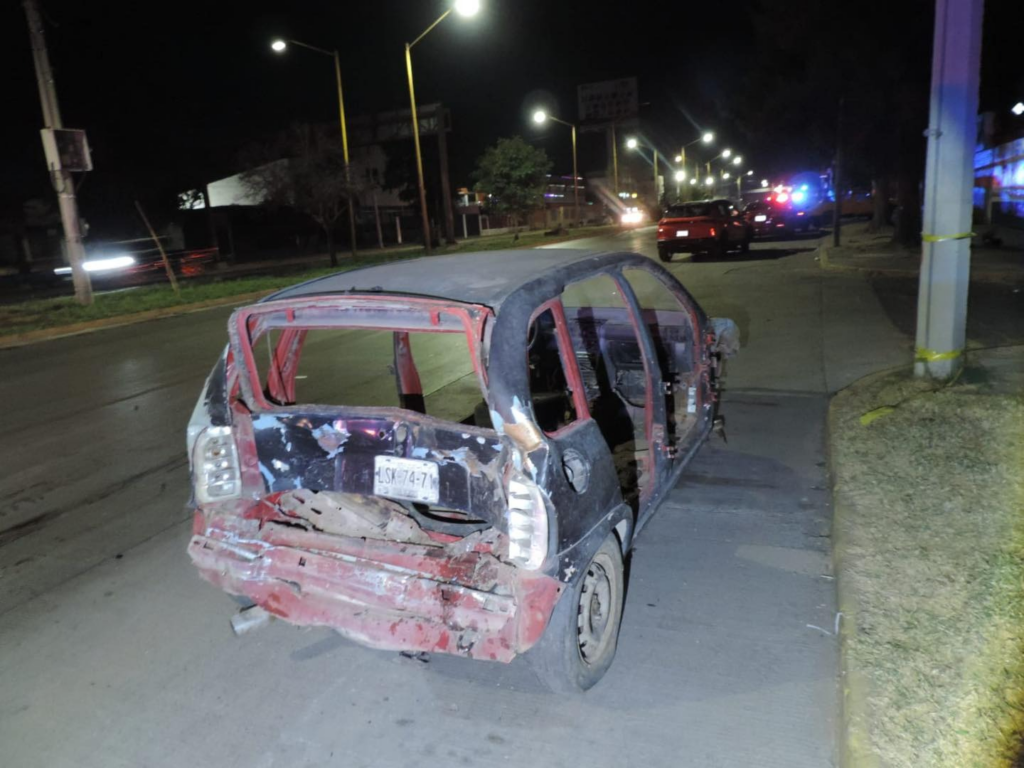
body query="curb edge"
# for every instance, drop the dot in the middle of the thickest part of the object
(854, 737)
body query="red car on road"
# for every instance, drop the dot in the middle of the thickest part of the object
(766, 219)
(707, 226)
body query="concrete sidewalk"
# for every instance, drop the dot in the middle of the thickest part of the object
(865, 251)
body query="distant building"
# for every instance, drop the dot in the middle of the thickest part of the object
(999, 171)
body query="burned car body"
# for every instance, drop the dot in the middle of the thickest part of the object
(453, 454)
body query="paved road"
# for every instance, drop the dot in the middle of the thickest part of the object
(114, 653)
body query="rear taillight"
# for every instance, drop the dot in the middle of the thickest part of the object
(527, 523)
(712, 232)
(215, 466)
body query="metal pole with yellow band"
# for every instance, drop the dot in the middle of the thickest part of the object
(949, 182)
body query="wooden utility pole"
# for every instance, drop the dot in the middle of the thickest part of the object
(376, 216)
(446, 186)
(63, 182)
(837, 180)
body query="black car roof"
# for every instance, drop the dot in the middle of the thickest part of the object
(487, 277)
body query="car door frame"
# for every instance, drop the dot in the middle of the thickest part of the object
(672, 462)
(655, 424)
(602, 496)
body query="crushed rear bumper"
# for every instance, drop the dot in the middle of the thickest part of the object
(455, 597)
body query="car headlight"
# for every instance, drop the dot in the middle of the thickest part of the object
(216, 471)
(527, 523)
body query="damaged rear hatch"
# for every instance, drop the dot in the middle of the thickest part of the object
(351, 477)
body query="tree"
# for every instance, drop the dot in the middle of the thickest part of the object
(514, 174)
(303, 168)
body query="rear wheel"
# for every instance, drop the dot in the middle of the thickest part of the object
(580, 641)
(664, 253)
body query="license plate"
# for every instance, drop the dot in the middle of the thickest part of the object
(410, 479)
(682, 233)
(760, 218)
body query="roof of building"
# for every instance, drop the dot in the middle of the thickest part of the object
(477, 278)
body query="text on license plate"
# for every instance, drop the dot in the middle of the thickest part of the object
(405, 479)
(761, 217)
(682, 233)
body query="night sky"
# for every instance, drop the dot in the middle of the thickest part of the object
(170, 92)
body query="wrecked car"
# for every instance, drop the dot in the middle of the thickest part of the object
(453, 454)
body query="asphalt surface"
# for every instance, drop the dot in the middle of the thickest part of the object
(114, 653)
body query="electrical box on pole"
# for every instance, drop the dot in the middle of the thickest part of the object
(948, 189)
(66, 149)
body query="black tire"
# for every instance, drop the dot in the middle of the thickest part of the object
(588, 615)
(664, 254)
(745, 245)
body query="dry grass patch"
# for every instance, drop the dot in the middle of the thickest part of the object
(932, 552)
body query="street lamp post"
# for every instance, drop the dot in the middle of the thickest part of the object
(725, 154)
(633, 143)
(280, 46)
(680, 178)
(463, 8)
(539, 117)
(615, 162)
(705, 138)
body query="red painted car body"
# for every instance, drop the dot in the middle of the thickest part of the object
(707, 226)
(289, 510)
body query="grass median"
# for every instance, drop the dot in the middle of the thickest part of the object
(930, 555)
(40, 314)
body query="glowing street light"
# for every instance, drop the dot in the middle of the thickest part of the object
(750, 173)
(764, 182)
(1018, 108)
(693, 181)
(725, 176)
(707, 137)
(680, 175)
(464, 8)
(633, 143)
(726, 153)
(709, 181)
(540, 116)
(280, 46)
(737, 160)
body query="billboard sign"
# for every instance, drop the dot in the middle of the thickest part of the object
(607, 101)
